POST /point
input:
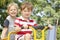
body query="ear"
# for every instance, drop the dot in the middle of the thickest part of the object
(18, 10)
(6, 11)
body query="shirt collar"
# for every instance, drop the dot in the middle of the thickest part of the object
(24, 19)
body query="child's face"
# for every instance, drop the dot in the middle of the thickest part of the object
(26, 13)
(13, 11)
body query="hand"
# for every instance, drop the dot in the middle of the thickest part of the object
(2, 37)
(4, 31)
(25, 26)
(17, 29)
(50, 26)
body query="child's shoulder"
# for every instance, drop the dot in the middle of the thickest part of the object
(8, 17)
(18, 18)
(32, 20)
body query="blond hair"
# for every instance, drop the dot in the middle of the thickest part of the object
(12, 4)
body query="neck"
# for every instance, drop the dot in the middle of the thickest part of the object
(26, 18)
(13, 17)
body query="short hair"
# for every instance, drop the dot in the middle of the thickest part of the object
(27, 5)
(12, 4)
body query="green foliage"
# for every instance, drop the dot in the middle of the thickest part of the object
(51, 10)
(58, 33)
(2, 17)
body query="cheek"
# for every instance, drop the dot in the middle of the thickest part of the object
(9, 12)
(16, 12)
(30, 13)
(23, 13)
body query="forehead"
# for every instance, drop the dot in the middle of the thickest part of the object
(26, 9)
(12, 7)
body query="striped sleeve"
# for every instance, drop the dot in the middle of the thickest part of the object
(32, 23)
(6, 23)
(35, 24)
(16, 23)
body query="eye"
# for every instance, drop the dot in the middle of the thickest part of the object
(10, 10)
(14, 9)
(25, 11)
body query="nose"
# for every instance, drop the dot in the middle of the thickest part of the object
(27, 12)
(13, 10)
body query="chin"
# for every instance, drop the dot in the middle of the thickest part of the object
(13, 16)
(27, 17)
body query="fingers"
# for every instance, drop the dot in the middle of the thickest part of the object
(25, 26)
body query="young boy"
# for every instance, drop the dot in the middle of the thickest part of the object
(12, 10)
(24, 22)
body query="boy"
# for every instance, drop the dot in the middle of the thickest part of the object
(24, 22)
(12, 10)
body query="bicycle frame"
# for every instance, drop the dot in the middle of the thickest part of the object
(34, 32)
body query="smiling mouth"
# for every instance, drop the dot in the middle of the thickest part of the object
(27, 14)
(13, 13)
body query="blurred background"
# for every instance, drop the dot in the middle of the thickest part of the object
(43, 11)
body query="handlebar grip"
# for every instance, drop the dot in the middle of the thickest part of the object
(39, 27)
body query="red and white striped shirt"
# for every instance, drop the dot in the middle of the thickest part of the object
(20, 22)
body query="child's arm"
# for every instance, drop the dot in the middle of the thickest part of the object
(5, 28)
(42, 27)
(17, 25)
(4, 31)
